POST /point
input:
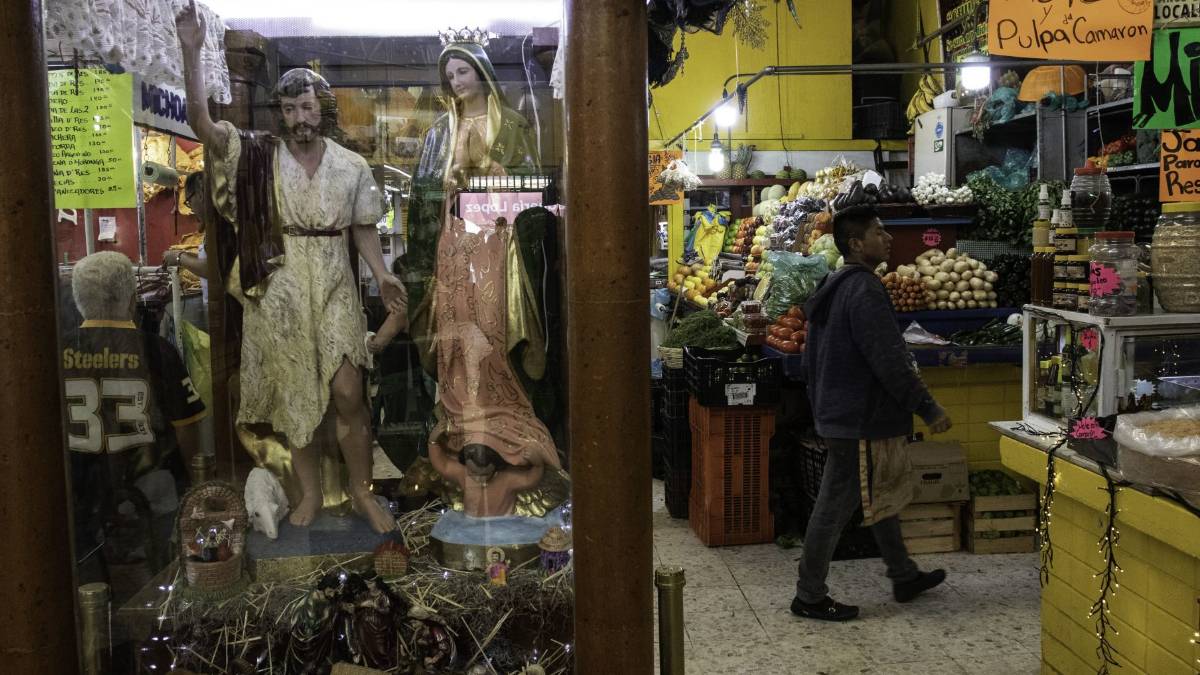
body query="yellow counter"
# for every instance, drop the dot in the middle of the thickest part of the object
(1156, 609)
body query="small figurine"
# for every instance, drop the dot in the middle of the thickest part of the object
(497, 569)
(266, 502)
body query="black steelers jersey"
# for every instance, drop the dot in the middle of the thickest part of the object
(123, 387)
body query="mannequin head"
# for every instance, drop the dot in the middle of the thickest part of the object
(103, 287)
(308, 105)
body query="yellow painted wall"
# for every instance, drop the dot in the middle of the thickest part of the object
(972, 397)
(1155, 609)
(902, 30)
(816, 109)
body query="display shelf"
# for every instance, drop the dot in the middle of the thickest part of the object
(1024, 122)
(793, 364)
(956, 356)
(1132, 168)
(925, 221)
(946, 322)
(745, 182)
(1156, 320)
(1112, 107)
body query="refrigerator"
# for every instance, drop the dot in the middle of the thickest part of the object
(933, 142)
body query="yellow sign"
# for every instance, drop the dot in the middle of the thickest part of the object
(1179, 164)
(91, 131)
(1088, 30)
(659, 161)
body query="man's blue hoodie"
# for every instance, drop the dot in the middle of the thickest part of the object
(862, 382)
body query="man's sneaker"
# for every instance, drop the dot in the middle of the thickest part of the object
(825, 610)
(907, 590)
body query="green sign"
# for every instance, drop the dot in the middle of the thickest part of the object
(91, 132)
(1165, 87)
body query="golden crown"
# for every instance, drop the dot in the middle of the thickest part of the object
(478, 36)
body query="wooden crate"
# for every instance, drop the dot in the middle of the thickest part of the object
(729, 502)
(932, 528)
(982, 520)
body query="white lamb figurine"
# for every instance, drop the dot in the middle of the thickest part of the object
(266, 501)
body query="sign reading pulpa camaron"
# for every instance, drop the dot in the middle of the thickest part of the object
(1089, 30)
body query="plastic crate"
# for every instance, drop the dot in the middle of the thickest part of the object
(717, 378)
(677, 485)
(677, 435)
(812, 467)
(675, 394)
(658, 450)
(731, 454)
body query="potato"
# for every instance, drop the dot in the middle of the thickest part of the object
(962, 286)
(991, 295)
(975, 264)
(961, 266)
(990, 277)
(971, 304)
(952, 253)
(943, 295)
(933, 284)
(979, 295)
(954, 296)
(942, 277)
(927, 271)
(967, 276)
(947, 265)
(992, 304)
(942, 304)
(976, 283)
(987, 286)
(955, 277)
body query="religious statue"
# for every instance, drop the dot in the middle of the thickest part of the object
(291, 203)
(477, 314)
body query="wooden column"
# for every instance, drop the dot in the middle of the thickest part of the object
(36, 584)
(608, 335)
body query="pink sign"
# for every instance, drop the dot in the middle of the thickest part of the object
(932, 237)
(1088, 429)
(1090, 339)
(1105, 280)
(484, 208)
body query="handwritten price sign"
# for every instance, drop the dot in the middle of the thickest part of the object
(1089, 30)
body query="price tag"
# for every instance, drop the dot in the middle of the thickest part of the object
(740, 394)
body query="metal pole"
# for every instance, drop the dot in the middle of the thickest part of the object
(176, 307)
(608, 337)
(37, 596)
(89, 231)
(670, 582)
(95, 629)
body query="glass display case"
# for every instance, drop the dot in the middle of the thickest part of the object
(311, 310)
(1077, 365)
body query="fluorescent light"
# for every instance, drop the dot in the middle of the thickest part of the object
(975, 78)
(389, 167)
(381, 17)
(727, 114)
(716, 156)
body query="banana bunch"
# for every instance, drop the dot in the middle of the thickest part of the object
(922, 100)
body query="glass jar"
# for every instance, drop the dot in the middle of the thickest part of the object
(1113, 275)
(1091, 198)
(1175, 257)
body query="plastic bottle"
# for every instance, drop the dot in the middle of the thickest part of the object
(1113, 275)
(1065, 245)
(1044, 206)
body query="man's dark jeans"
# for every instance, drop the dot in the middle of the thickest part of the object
(839, 498)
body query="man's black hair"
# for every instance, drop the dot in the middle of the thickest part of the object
(852, 223)
(481, 455)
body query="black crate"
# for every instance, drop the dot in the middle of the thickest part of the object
(710, 372)
(677, 447)
(856, 542)
(658, 451)
(677, 486)
(789, 504)
(675, 394)
(879, 120)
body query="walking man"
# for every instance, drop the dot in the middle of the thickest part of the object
(864, 389)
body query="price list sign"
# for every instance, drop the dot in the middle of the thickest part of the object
(91, 130)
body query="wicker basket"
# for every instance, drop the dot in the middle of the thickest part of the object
(672, 357)
(204, 506)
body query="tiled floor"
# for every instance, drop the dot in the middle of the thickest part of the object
(984, 619)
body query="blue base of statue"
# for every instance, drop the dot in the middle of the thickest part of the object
(329, 539)
(462, 542)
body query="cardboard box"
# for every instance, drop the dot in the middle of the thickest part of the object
(939, 471)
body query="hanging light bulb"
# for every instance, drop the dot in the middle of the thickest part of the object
(976, 77)
(727, 114)
(716, 155)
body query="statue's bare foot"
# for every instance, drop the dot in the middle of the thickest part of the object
(365, 505)
(306, 511)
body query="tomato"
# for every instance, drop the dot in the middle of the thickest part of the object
(795, 312)
(789, 347)
(785, 333)
(794, 324)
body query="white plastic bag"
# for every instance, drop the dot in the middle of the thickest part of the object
(1166, 433)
